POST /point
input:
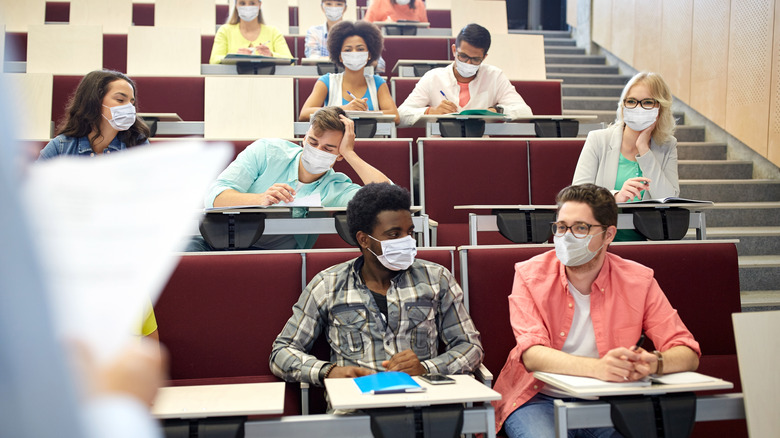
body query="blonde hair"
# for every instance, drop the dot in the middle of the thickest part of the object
(666, 125)
(234, 18)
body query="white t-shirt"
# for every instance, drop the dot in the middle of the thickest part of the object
(581, 340)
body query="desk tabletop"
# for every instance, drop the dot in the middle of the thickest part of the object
(402, 23)
(689, 206)
(344, 394)
(219, 400)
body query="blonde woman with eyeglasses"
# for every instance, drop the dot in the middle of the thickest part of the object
(635, 157)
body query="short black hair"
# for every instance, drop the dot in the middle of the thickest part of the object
(372, 199)
(475, 35)
(345, 29)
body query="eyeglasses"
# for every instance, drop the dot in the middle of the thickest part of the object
(646, 103)
(580, 230)
(476, 60)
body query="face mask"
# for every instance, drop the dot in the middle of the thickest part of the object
(316, 161)
(466, 70)
(572, 251)
(402, 2)
(397, 254)
(639, 118)
(248, 13)
(122, 116)
(354, 60)
(334, 13)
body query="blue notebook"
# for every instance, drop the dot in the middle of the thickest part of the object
(387, 382)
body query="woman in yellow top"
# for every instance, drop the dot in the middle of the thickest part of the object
(246, 33)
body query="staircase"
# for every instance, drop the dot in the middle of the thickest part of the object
(748, 208)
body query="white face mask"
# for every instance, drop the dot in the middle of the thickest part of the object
(465, 69)
(334, 13)
(122, 116)
(354, 60)
(248, 13)
(316, 161)
(397, 254)
(402, 2)
(572, 251)
(639, 118)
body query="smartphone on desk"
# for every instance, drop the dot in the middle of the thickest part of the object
(437, 379)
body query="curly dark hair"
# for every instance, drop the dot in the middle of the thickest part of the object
(371, 200)
(83, 113)
(600, 200)
(345, 29)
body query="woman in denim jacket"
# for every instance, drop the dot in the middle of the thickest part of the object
(100, 118)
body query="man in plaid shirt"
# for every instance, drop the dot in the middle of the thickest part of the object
(383, 311)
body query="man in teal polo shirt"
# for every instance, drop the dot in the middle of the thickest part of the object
(273, 170)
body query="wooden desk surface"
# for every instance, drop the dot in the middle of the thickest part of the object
(219, 400)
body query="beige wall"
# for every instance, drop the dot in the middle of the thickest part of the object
(716, 55)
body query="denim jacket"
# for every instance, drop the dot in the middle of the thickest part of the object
(64, 145)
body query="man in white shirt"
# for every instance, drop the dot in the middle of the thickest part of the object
(468, 83)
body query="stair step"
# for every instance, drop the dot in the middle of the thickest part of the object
(588, 78)
(560, 42)
(744, 214)
(563, 50)
(760, 300)
(753, 241)
(581, 69)
(554, 34)
(759, 272)
(689, 133)
(701, 151)
(593, 90)
(715, 169)
(576, 59)
(737, 190)
(590, 103)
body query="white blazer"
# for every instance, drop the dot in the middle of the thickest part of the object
(599, 160)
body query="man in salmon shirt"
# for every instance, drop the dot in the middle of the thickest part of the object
(579, 310)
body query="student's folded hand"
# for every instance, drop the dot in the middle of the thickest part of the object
(277, 193)
(356, 105)
(405, 361)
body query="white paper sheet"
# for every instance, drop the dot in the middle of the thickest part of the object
(107, 230)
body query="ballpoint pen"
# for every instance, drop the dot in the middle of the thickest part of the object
(640, 341)
(444, 95)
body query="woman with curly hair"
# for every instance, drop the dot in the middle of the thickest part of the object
(352, 46)
(100, 118)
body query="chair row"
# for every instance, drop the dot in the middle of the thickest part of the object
(219, 313)
(187, 96)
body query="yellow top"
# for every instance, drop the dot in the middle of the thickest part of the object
(229, 40)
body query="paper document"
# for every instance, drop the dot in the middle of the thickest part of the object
(668, 200)
(312, 200)
(564, 381)
(107, 230)
(684, 378)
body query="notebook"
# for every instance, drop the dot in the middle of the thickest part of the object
(387, 382)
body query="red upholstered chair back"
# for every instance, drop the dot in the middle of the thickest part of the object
(391, 156)
(416, 47)
(551, 167)
(219, 314)
(115, 52)
(439, 18)
(57, 12)
(143, 14)
(490, 277)
(544, 97)
(302, 91)
(206, 43)
(402, 88)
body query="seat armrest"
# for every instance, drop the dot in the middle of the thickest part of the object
(484, 375)
(304, 398)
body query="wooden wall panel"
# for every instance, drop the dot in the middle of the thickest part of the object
(774, 111)
(623, 19)
(115, 16)
(749, 72)
(601, 23)
(647, 50)
(18, 14)
(709, 62)
(676, 30)
(489, 13)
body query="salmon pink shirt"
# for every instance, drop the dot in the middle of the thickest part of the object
(625, 299)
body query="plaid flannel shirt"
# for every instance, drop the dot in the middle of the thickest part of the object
(424, 303)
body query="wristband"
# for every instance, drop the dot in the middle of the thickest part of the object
(325, 370)
(659, 371)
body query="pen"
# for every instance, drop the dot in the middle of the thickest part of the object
(640, 341)
(351, 95)
(442, 93)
